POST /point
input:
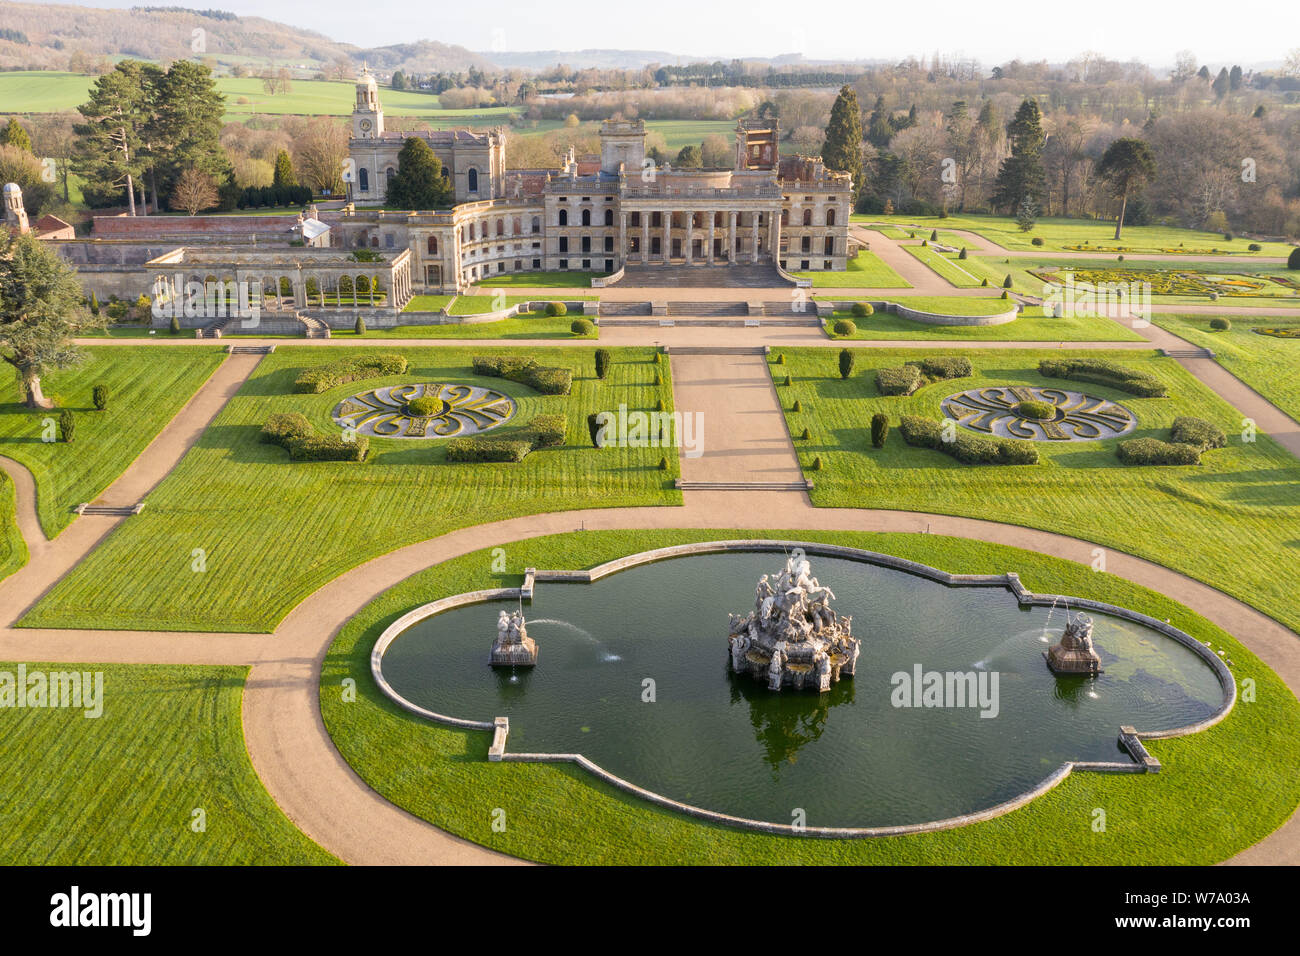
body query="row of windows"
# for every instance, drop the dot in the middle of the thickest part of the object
(363, 178)
(807, 217)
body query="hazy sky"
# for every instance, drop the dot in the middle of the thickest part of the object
(990, 31)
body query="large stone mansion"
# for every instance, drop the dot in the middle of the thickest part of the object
(597, 213)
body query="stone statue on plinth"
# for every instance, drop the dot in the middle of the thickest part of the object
(513, 647)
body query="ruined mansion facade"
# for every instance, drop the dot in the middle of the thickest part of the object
(598, 214)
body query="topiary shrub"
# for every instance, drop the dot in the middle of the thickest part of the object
(488, 449)
(900, 380)
(844, 327)
(659, 379)
(582, 326)
(1104, 372)
(1005, 294)
(943, 367)
(603, 362)
(984, 283)
(94, 304)
(556, 308)
(1187, 430)
(593, 429)
(1036, 241)
(663, 464)
(1153, 451)
(780, 359)
(1006, 283)
(328, 448)
(879, 429)
(359, 327)
(966, 448)
(547, 431)
(788, 381)
(283, 427)
(962, 254)
(1255, 247)
(174, 326)
(67, 425)
(817, 463)
(426, 406)
(322, 378)
(99, 396)
(934, 235)
(546, 379)
(1036, 410)
(1220, 324)
(798, 406)
(806, 435)
(847, 359)
(862, 309)
(659, 358)
(1293, 260)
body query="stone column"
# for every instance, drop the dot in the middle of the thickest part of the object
(753, 248)
(645, 237)
(712, 216)
(731, 237)
(668, 236)
(690, 235)
(622, 239)
(774, 240)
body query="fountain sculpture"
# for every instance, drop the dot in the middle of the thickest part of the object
(1075, 653)
(513, 647)
(793, 638)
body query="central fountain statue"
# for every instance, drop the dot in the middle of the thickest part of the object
(513, 647)
(1075, 654)
(793, 638)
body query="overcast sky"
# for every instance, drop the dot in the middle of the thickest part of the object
(990, 31)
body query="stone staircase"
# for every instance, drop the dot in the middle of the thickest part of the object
(705, 309)
(1187, 353)
(624, 308)
(250, 349)
(685, 485)
(716, 349)
(112, 511)
(313, 328)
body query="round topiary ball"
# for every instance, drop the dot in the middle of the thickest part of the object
(556, 308)
(1035, 410)
(581, 326)
(1293, 260)
(844, 327)
(426, 406)
(1220, 324)
(863, 309)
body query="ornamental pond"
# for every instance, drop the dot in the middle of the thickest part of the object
(633, 673)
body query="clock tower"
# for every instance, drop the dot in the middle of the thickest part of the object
(367, 115)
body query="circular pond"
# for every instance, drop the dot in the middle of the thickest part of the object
(1038, 414)
(424, 411)
(633, 674)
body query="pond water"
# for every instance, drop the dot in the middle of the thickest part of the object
(849, 757)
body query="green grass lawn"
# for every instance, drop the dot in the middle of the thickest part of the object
(147, 387)
(428, 303)
(13, 550)
(476, 304)
(565, 279)
(121, 789)
(945, 304)
(866, 271)
(1218, 792)
(947, 265)
(1032, 326)
(1059, 235)
(1268, 364)
(273, 531)
(529, 326)
(1230, 522)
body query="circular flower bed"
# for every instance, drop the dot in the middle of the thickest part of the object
(1036, 410)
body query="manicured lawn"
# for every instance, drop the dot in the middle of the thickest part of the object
(475, 304)
(1060, 234)
(1219, 791)
(121, 789)
(147, 387)
(1268, 364)
(1230, 522)
(539, 280)
(273, 531)
(534, 326)
(13, 550)
(1032, 326)
(428, 303)
(946, 304)
(866, 271)
(947, 265)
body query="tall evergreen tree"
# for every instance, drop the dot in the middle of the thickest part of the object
(842, 150)
(284, 175)
(14, 135)
(1126, 166)
(111, 137)
(1021, 175)
(1221, 84)
(418, 182)
(186, 127)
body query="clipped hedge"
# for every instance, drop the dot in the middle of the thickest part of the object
(547, 431)
(549, 380)
(898, 380)
(1103, 372)
(944, 367)
(965, 447)
(862, 309)
(1153, 451)
(322, 378)
(554, 309)
(582, 327)
(284, 427)
(1197, 431)
(488, 449)
(328, 448)
(844, 327)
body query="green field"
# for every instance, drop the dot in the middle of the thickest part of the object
(540, 280)
(527, 327)
(478, 304)
(290, 528)
(1031, 326)
(865, 271)
(1219, 791)
(1268, 364)
(147, 387)
(1230, 522)
(1059, 235)
(122, 789)
(947, 265)
(13, 549)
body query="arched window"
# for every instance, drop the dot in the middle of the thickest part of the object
(363, 179)
(388, 174)
(609, 217)
(501, 227)
(537, 224)
(564, 217)
(830, 217)
(446, 173)
(518, 226)
(807, 217)
(586, 217)
(473, 180)
(432, 245)
(785, 217)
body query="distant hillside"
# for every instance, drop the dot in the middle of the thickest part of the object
(591, 59)
(44, 36)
